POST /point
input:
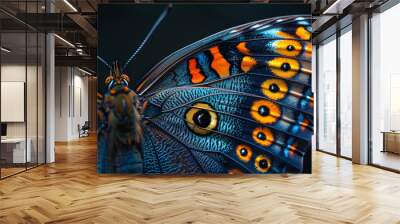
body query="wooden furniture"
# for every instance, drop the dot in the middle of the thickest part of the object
(391, 141)
(71, 191)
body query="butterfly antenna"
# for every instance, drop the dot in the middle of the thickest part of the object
(116, 70)
(104, 62)
(156, 24)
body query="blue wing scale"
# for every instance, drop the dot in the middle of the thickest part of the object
(239, 100)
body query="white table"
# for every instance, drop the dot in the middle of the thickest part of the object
(18, 149)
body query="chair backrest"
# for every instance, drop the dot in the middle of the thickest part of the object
(86, 125)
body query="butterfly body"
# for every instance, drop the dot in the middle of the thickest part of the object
(237, 101)
(120, 129)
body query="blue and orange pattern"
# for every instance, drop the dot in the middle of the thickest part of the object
(239, 101)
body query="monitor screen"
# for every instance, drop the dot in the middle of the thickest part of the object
(3, 129)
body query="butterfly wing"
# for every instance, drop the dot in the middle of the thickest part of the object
(237, 101)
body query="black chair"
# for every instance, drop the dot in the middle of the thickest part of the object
(84, 130)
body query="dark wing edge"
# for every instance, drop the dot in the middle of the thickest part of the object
(161, 68)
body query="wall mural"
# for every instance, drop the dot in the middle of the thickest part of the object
(234, 101)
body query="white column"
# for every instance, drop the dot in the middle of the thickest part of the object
(360, 90)
(50, 92)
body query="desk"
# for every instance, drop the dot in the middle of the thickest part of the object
(15, 148)
(391, 141)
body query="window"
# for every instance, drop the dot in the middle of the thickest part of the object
(327, 96)
(385, 89)
(346, 92)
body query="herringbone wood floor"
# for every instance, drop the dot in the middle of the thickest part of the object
(70, 191)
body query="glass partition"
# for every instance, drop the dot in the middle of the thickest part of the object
(327, 95)
(32, 86)
(14, 153)
(31, 97)
(385, 90)
(22, 78)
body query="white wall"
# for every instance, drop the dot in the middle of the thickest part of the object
(13, 73)
(71, 102)
(61, 103)
(81, 104)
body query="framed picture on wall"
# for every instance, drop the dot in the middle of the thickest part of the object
(12, 101)
(204, 89)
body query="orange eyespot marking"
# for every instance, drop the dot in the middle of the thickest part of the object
(195, 72)
(247, 63)
(275, 89)
(219, 63)
(308, 50)
(303, 33)
(304, 124)
(284, 67)
(292, 149)
(241, 47)
(244, 152)
(113, 92)
(291, 48)
(235, 171)
(263, 163)
(284, 35)
(263, 136)
(265, 112)
(125, 89)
